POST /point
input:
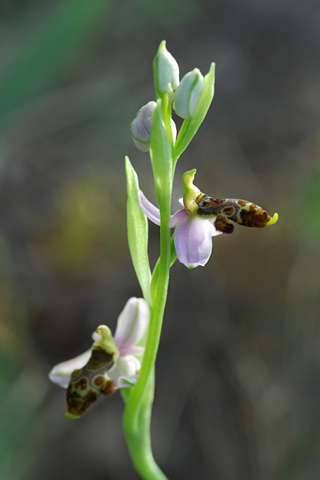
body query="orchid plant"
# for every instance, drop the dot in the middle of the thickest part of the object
(113, 362)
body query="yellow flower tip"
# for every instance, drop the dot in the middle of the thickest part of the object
(103, 331)
(273, 220)
(71, 416)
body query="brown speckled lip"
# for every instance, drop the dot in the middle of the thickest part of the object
(87, 383)
(239, 211)
(223, 225)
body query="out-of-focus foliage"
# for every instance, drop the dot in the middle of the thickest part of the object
(238, 368)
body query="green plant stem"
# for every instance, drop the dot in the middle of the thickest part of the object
(137, 414)
(139, 440)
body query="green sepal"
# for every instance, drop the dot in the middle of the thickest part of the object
(190, 127)
(161, 159)
(137, 226)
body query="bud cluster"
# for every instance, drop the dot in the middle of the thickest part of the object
(185, 96)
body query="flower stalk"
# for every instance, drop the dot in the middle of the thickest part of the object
(114, 362)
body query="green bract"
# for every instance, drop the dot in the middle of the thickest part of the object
(137, 226)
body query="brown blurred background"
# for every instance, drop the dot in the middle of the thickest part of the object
(238, 388)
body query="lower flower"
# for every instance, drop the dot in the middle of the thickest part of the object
(110, 364)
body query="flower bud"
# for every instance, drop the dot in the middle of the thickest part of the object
(165, 70)
(188, 93)
(141, 126)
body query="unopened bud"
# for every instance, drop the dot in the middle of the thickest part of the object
(141, 126)
(165, 70)
(188, 93)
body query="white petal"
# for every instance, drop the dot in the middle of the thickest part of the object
(125, 366)
(60, 374)
(132, 323)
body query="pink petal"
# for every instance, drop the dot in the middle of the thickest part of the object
(152, 212)
(178, 217)
(132, 323)
(193, 242)
(131, 350)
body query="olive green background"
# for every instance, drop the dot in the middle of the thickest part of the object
(238, 389)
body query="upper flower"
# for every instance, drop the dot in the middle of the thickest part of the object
(109, 364)
(202, 218)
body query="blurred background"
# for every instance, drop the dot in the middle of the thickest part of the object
(238, 384)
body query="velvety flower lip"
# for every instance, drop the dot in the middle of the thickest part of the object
(132, 325)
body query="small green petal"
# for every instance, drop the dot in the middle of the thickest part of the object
(190, 191)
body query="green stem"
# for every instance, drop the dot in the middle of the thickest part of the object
(139, 440)
(137, 414)
(166, 111)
